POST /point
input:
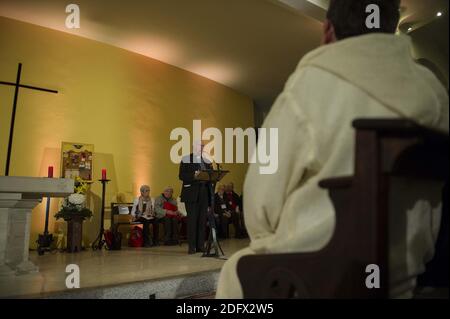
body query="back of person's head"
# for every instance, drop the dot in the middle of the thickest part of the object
(348, 17)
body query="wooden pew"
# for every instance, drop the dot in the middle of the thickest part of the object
(396, 163)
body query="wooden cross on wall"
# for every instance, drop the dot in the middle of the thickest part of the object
(17, 85)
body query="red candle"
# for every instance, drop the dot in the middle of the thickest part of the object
(103, 173)
(50, 171)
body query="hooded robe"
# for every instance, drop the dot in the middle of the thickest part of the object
(369, 76)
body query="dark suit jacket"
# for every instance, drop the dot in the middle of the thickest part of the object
(218, 202)
(191, 187)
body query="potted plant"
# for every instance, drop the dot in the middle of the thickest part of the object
(74, 212)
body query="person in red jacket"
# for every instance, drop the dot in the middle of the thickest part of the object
(166, 205)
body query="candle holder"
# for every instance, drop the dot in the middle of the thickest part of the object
(45, 240)
(98, 243)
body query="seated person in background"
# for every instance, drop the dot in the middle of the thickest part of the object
(222, 211)
(234, 204)
(144, 213)
(360, 72)
(166, 207)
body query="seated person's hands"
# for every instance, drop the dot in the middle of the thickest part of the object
(173, 213)
(151, 215)
(170, 212)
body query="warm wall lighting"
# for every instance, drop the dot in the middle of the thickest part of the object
(439, 14)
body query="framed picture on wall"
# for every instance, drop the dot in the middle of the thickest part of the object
(77, 160)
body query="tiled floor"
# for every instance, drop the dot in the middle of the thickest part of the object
(106, 268)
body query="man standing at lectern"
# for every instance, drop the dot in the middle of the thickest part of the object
(196, 196)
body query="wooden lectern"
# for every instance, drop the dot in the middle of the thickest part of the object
(212, 176)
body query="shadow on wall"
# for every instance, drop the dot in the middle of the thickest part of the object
(94, 198)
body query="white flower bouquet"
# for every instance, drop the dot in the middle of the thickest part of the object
(75, 204)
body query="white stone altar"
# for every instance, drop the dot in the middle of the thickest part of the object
(18, 196)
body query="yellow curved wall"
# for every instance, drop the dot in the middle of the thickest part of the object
(123, 103)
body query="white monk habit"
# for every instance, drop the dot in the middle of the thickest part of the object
(360, 77)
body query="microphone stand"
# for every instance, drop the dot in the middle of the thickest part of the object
(98, 243)
(212, 238)
(45, 240)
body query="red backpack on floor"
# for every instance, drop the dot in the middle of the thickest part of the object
(136, 237)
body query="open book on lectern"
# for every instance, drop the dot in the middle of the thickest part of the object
(210, 175)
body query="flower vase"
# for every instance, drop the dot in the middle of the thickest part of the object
(74, 233)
